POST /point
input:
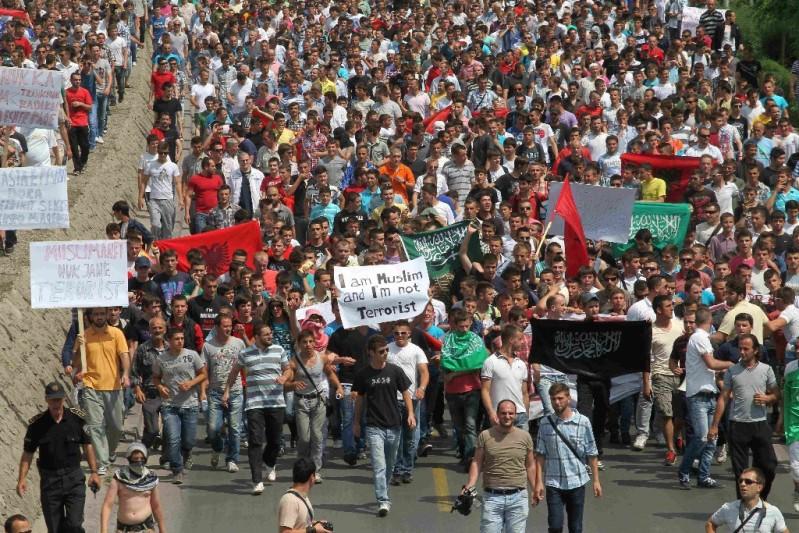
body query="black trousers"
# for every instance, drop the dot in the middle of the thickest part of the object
(79, 144)
(63, 494)
(264, 431)
(593, 401)
(755, 436)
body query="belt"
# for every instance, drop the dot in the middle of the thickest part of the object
(309, 395)
(503, 492)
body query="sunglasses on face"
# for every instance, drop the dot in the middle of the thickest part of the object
(747, 481)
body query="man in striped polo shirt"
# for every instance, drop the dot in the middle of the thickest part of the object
(263, 364)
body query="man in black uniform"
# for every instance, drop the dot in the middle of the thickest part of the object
(58, 434)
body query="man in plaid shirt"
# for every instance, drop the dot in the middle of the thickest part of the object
(558, 471)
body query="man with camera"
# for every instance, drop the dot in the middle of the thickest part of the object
(504, 455)
(294, 510)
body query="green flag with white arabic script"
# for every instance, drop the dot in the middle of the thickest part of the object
(667, 222)
(439, 248)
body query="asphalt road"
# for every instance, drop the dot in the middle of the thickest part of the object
(640, 495)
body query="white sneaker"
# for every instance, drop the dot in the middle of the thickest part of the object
(232, 467)
(99, 140)
(796, 500)
(272, 474)
(258, 488)
(319, 478)
(383, 509)
(721, 454)
(639, 443)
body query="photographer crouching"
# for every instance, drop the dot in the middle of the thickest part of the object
(294, 510)
(504, 455)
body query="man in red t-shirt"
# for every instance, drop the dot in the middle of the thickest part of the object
(158, 79)
(204, 188)
(79, 104)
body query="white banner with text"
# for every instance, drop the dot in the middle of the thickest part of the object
(33, 198)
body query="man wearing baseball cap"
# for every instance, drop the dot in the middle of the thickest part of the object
(59, 435)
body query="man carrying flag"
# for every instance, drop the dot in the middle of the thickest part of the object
(462, 358)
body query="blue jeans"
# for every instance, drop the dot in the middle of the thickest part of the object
(428, 405)
(701, 408)
(93, 125)
(573, 500)
(504, 514)
(102, 113)
(383, 446)
(200, 222)
(216, 418)
(349, 443)
(180, 433)
(409, 441)
(463, 409)
(522, 421)
(544, 384)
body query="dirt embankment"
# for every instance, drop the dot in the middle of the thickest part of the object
(31, 341)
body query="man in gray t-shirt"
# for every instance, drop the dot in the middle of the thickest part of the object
(220, 352)
(751, 386)
(172, 371)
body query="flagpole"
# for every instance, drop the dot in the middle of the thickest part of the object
(543, 238)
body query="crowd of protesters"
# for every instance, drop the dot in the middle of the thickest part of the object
(340, 127)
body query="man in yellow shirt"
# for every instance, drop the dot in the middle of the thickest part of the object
(104, 378)
(652, 189)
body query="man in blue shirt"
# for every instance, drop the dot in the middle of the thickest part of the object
(564, 444)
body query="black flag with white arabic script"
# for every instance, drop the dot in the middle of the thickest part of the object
(592, 349)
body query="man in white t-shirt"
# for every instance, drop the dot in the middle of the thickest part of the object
(413, 362)
(788, 321)
(505, 377)
(42, 144)
(202, 90)
(663, 383)
(700, 394)
(163, 177)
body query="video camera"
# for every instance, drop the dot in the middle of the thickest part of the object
(463, 504)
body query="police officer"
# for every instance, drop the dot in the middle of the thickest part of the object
(58, 434)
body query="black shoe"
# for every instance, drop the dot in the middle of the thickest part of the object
(625, 439)
(407, 478)
(351, 459)
(614, 438)
(395, 481)
(425, 449)
(10, 249)
(121, 97)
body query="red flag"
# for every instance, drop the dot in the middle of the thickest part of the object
(573, 235)
(217, 246)
(674, 170)
(441, 116)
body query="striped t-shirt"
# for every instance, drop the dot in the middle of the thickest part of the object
(262, 368)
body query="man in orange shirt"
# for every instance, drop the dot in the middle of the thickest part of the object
(106, 374)
(402, 178)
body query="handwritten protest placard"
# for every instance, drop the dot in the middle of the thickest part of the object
(381, 293)
(33, 198)
(30, 97)
(79, 274)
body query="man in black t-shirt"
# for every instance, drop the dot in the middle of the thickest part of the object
(204, 308)
(349, 347)
(377, 386)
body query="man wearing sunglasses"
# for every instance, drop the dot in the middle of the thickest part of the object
(750, 513)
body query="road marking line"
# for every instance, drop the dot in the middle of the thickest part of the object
(441, 489)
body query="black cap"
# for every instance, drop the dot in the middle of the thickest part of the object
(54, 391)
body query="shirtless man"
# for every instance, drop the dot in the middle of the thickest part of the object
(137, 489)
